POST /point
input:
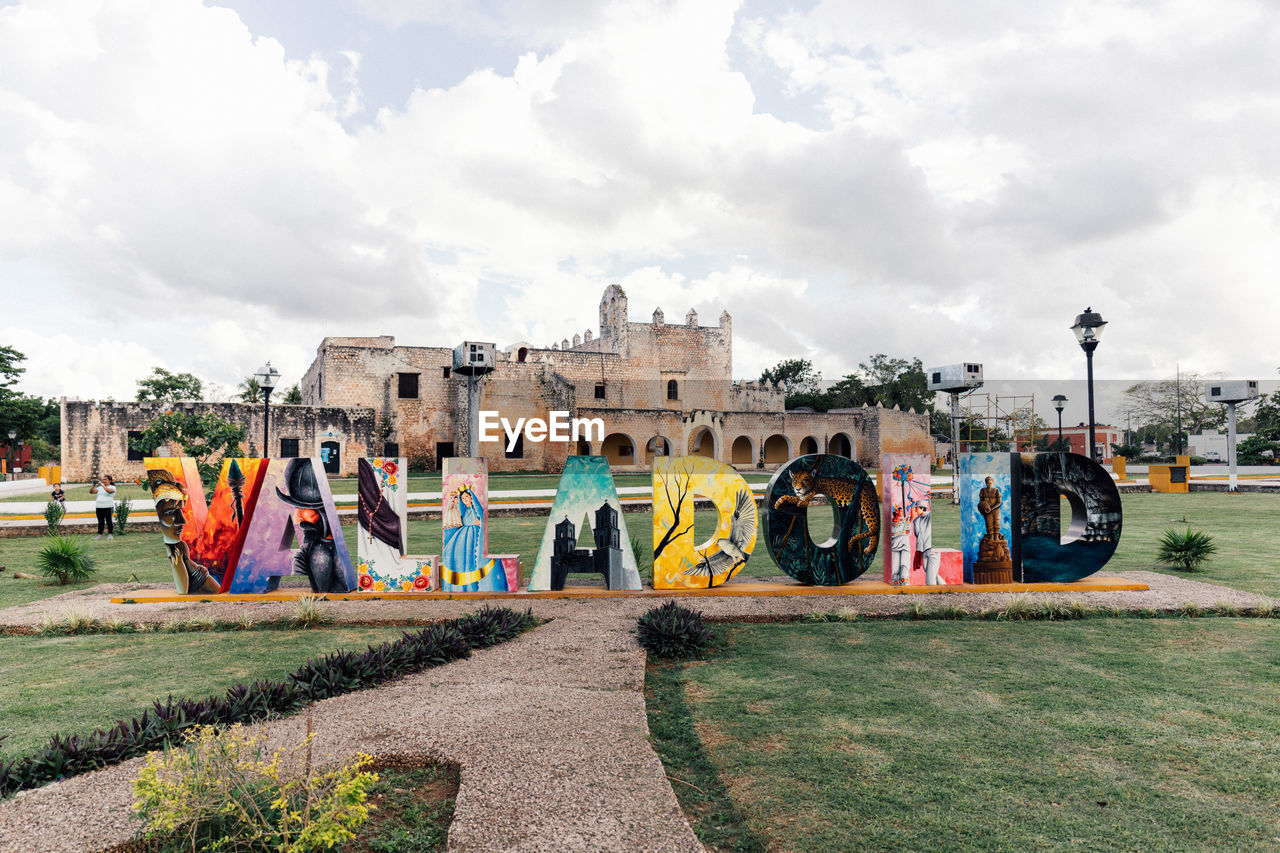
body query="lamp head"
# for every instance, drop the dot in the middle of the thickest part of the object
(268, 377)
(1088, 328)
(1059, 401)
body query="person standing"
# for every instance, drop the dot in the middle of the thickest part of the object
(58, 495)
(104, 504)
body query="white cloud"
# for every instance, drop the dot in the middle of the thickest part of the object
(974, 176)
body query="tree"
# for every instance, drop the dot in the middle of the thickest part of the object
(1257, 450)
(1267, 417)
(250, 390)
(896, 382)
(683, 482)
(206, 438)
(293, 396)
(1129, 451)
(165, 387)
(36, 421)
(1157, 404)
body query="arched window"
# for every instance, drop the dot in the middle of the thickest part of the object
(522, 353)
(673, 390)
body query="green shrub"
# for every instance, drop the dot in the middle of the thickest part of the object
(672, 631)
(123, 508)
(53, 514)
(66, 559)
(307, 613)
(1187, 550)
(222, 792)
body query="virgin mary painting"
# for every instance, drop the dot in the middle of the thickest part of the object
(463, 564)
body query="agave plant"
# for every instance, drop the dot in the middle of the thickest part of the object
(672, 631)
(66, 559)
(1186, 550)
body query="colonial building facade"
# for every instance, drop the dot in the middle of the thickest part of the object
(660, 388)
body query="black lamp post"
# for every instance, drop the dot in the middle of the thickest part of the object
(1059, 401)
(13, 433)
(268, 377)
(1088, 329)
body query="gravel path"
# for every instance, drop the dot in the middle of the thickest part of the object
(549, 729)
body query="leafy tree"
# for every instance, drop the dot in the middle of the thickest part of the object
(36, 420)
(1132, 450)
(1267, 418)
(293, 396)
(250, 390)
(896, 382)
(1254, 449)
(797, 373)
(1157, 404)
(165, 387)
(206, 438)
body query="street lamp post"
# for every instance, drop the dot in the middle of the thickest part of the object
(1059, 401)
(1088, 329)
(268, 377)
(13, 433)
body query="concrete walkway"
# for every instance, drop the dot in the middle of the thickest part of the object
(550, 729)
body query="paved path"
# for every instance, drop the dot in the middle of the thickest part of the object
(550, 729)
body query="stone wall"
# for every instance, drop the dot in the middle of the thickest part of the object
(95, 435)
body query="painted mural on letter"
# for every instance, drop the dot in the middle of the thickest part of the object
(586, 499)
(1047, 554)
(465, 562)
(986, 516)
(856, 522)
(678, 561)
(382, 510)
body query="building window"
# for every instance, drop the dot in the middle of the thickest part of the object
(673, 390)
(288, 448)
(517, 452)
(444, 372)
(522, 353)
(625, 450)
(600, 391)
(408, 386)
(391, 448)
(135, 455)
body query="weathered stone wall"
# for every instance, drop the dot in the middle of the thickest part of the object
(95, 435)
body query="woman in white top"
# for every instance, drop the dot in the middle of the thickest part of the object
(105, 504)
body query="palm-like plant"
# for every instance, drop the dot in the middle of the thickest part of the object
(66, 559)
(250, 390)
(1186, 550)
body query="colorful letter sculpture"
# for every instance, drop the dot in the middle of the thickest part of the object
(382, 508)
(856, 532)
(182, 513)
(986, 517)
(465, 562)
(910, 557)
(586, 488)
(242, 541)
(294, 501)
(1047, 556)
(1014, 520)
(678, 561)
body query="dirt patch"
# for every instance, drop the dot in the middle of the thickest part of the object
(711, 737)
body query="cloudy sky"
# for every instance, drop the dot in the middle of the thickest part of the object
(207, 185)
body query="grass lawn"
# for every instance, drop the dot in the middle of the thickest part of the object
(1102, 734)
(76, 684)
(1242, 525)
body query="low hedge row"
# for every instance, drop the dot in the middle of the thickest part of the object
(320, 678)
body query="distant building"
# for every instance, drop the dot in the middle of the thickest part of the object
(1078, 439)
(661, 389)
(1212, 445)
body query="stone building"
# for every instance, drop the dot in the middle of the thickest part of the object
(660, 388)
(95, 436)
